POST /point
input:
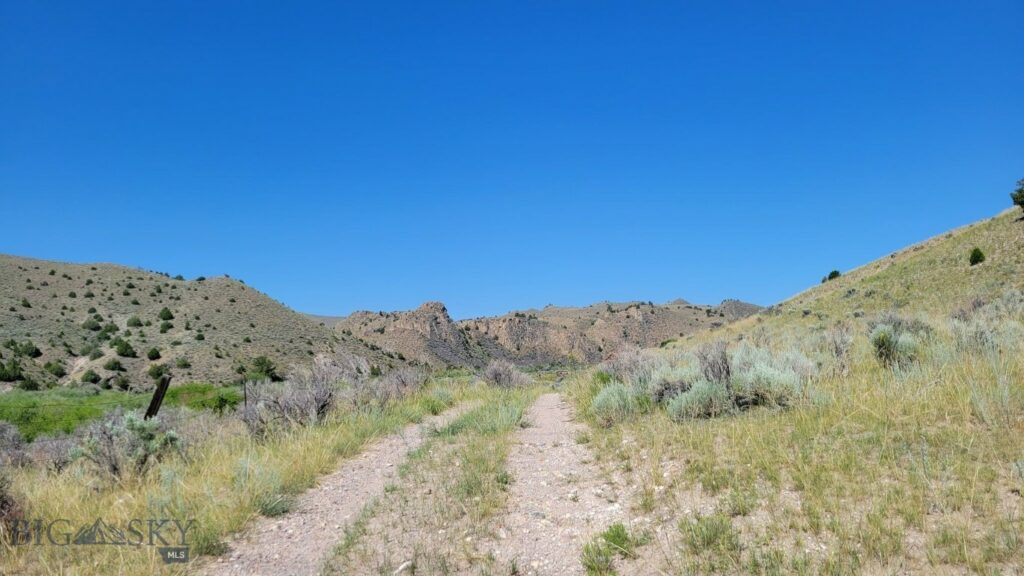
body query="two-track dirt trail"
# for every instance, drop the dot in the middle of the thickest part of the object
(297, 543)
(559, 498)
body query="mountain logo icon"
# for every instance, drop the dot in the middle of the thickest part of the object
(100, 533)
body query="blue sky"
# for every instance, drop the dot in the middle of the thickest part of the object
(503, 155)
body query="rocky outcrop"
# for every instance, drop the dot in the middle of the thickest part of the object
(553, 335)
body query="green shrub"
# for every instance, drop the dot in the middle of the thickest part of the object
(92, 325)
(56, 368)
(182, 363)
(124, 349)
(263, 368)
(90, 377)
(114, 365)
(165, 314)
(153, 354)
(1018, 195)
(165, 327)
(157, 370)
(616, 402)
(134, 322)
(976, 257)
(703, 400)
(10, 371)
(831, 276)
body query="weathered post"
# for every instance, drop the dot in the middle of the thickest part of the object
(158, 396)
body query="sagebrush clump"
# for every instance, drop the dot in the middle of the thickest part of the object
(614, 403)
(123, 444)
(897, 341)
(505, 374)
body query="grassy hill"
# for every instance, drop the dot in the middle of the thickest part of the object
(63, 322)
(870, 424)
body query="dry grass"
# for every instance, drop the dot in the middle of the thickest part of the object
(225, 481)
(438, 514)
(917, 468)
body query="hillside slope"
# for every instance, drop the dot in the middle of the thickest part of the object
(932, 277)
(868, 425)
(73, 314)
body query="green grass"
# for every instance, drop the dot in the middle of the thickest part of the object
(65, 409)
(61, 409)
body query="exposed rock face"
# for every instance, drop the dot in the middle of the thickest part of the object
(554, 335)
(426, 335)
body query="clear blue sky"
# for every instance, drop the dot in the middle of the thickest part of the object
(503, 155)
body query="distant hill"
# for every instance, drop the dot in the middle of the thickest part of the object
(62, 323)
(550, 336)
(73, 313)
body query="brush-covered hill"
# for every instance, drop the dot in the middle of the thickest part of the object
(549, 336)
(60, 323)
(868, 425)
(933, 277)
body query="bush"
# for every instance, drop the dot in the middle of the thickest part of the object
(263, 368)
(165, 327)
(182, 363)
(153, 354)
(114, 365)
(12, 445)
(669, 380)
(124, 443)
(714, 362)
(91, 324)
(134, 322)
(831, 276)
(11, 371)
(124, 350)
(53, 453)
(632, 366)
(765, 385)
(156, 371)
(90, 377)
(1018, 195)
(11, 512)
(977, 256)
(305, 399)
(616, 402)
(165, 314)
(896, 340)
(703, 400)
(398, 384)
(504, 374)
(56, 368)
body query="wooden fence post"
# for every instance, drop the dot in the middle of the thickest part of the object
(158, 396)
